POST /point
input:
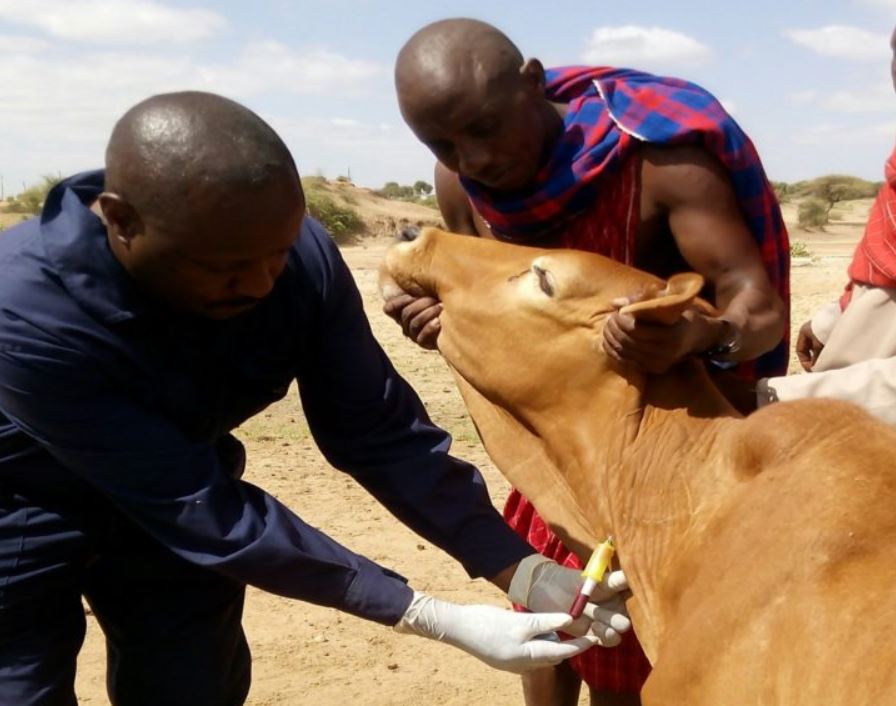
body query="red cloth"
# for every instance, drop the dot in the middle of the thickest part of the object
(874, 261)
(607, 228)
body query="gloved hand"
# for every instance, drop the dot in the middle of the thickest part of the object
(543, 586)
(514, 642)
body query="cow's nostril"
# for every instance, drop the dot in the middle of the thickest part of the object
(408, 234)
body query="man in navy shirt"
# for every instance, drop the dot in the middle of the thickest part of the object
(151, 309)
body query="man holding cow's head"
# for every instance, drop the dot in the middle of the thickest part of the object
(152, 309)
(649, 171)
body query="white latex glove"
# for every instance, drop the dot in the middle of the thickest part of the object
(543, 586)
(514, 642)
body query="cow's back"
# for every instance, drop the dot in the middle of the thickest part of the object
(790, 600)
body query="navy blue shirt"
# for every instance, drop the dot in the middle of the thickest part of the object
(102, 386)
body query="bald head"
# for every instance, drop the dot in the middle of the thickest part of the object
(202, 202)
(449, 56)
(467, 93)
(194, 147)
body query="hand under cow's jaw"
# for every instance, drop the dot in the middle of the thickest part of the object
(742, 539)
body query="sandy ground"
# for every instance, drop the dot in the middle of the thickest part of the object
(309, 655)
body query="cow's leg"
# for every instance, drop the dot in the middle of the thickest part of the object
(554, 686)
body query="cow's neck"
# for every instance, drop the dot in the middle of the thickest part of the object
(646, 447)
(668, 485)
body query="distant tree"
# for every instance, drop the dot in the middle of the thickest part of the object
(421, 188)
(389, 190)
(832, 189)
(393, 190)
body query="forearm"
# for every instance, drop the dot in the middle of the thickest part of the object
(503, 578)
(755, 324)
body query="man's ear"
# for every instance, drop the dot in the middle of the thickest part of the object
(532, 73)
(666, 305)
(122, 219)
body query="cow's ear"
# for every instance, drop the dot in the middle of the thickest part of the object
(665, 306)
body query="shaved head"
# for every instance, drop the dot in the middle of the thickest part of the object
(173, 146)
(202, 202)
(450, 54)
(468, 94)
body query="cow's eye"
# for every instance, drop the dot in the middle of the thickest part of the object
(545, 280)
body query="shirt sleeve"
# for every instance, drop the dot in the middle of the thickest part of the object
(370, 423)
(871, 384)
(824, 320)
(177, 491)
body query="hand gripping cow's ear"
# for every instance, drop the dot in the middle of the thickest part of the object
(666, 305)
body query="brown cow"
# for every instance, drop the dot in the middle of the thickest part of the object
(761, 551)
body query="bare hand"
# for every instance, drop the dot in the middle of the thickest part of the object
(808, 347)
(651, 347)
(418, 317)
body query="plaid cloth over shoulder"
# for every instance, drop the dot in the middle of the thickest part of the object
(609, 111)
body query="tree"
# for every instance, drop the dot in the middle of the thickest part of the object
(392, 190)
(835, 188)
(825, 192)
(421, 188)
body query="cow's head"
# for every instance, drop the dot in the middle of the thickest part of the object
(522, 328)
(524, 325)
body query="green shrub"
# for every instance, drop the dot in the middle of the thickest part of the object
(311, 182)
(782, 190)
(813, 213)
(31, 200)
(341, 221)
(799, 249)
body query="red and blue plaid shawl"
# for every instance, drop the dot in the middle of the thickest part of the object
(608, 112)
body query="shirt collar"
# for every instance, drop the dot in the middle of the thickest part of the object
(78, 250)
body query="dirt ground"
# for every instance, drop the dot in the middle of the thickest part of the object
(304, 654)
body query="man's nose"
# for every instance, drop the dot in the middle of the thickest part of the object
(473, 159)
(258, 281)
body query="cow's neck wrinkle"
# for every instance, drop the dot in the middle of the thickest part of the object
(671, 480)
